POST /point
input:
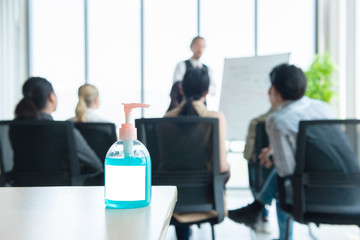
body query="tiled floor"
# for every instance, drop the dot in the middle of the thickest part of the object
(229, 230)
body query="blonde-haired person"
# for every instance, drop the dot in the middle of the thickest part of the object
(88, 104)
(39, 102)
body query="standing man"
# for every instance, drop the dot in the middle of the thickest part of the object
(197, 47)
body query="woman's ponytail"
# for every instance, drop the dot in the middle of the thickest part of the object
(195, 85)
(36, 91)
(188, 109)
(87, 94)
(26, 109)
(80, 111)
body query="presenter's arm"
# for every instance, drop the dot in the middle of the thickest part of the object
(179, 72)
(212, 87)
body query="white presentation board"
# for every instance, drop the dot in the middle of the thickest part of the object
(244, 91)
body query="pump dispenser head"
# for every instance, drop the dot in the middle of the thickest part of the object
(128, 130)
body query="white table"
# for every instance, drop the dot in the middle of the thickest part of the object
(80, 213)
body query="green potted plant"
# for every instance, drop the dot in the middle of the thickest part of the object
(319, 84)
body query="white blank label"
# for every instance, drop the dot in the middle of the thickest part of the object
(125, 183)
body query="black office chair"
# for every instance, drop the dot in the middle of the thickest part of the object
(257, 172)
(99, 136)
(185, 152)
(326, 182)
(39, 153)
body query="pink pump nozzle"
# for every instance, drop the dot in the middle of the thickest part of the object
(128, 130)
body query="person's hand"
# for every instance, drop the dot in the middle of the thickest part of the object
(253, 159)
(264, 157)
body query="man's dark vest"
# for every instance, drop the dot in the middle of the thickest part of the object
(189, 66)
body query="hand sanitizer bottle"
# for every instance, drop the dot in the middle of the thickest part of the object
(128, 168)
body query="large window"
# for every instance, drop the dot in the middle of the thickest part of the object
(117, 48)
(287, 26)
(230, 34)
(228, 27)
(167, 39)
(114, 44)
(57, 50)
(114, 54)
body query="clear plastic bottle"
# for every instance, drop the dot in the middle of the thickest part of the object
(128, 168)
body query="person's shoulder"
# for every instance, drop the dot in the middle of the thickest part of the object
(263, 117)
(323, 108)
(173, 112)
(215, 114)
(92, 116)
(181, 64)
(317, 102)
(276, 117)
(97, 119)
(270, 121)
(170, 114)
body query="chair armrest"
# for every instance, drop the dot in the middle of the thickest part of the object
(219, 186)
(280, 181)
(296, 208)
(223, 177)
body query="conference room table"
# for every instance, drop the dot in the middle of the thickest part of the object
(80, 213)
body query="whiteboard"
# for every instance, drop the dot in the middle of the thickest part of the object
(244, 90)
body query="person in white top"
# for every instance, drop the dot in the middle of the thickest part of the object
(88, 104)
(197, 47)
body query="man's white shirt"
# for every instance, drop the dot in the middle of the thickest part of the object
(180, 70)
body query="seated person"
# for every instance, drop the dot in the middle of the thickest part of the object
(288, 85)
(39, 102)
(259, 223)
(176, 95)
(195, 86)
(88, 104)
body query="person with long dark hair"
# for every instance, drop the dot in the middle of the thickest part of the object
(39, 102)
(176, 96)
(195, 87)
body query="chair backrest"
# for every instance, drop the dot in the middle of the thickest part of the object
(3, 149)
(185, 152)
(257, 172)
(326, 182)
(99, 136)
(39, 153)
